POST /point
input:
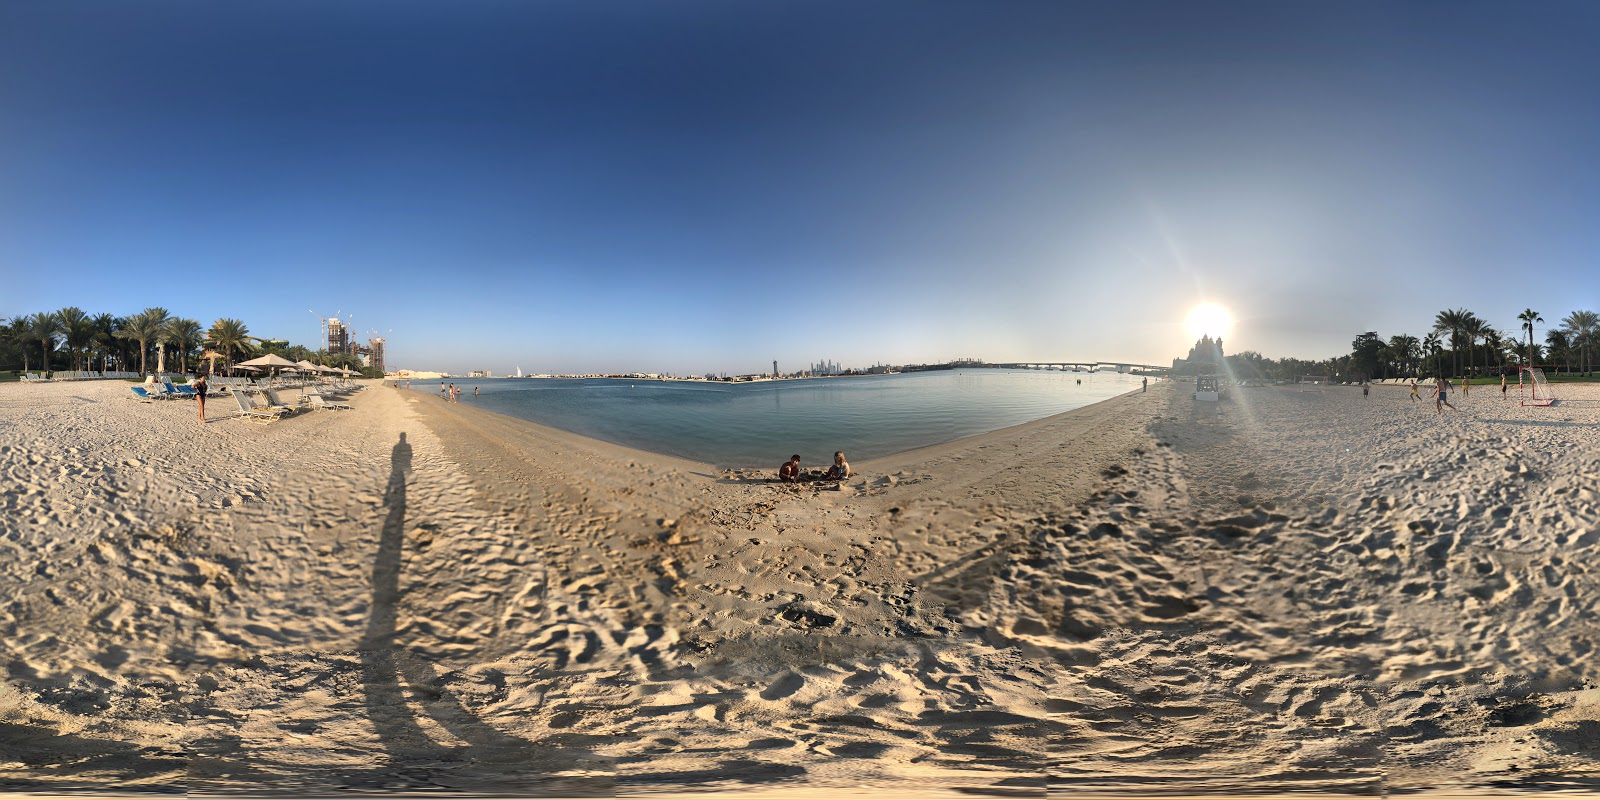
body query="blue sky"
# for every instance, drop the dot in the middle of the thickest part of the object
(694, 186)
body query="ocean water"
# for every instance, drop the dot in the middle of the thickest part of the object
(762, 424)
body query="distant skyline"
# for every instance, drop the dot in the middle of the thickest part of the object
(696, 187)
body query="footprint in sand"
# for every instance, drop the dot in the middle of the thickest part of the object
(783, 687)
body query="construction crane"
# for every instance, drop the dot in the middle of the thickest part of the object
(322, 344)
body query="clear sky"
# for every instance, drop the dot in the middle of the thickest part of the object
(690, 186)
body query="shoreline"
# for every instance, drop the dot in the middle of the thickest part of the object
(900, 458)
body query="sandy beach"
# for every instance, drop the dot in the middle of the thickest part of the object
(1297, 589)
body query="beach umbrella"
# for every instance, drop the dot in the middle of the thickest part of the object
(270, 360)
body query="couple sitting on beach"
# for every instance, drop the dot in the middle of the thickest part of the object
(790, 471)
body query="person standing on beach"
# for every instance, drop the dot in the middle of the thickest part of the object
(1414, 394)
(1502, 386)
(199, 386)
(1441, 395)
(1466, 386)
(1366, 389)
(1143, 388)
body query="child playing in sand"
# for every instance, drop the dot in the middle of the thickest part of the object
(840, 469)
(790, 471)
(1441, 396)
(1414, 394)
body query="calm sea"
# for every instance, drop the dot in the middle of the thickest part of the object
(762, 424)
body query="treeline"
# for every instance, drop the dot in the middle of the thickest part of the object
(1460, 344)
(153, 339)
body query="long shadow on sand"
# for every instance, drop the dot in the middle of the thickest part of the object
(395, 681)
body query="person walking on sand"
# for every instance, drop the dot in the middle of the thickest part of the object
(840, 469)
(1414, 394)
(199, 386)
(1365, 390)
(1441, 396)
(790, 471)
(1145, 387)
(1466, 387)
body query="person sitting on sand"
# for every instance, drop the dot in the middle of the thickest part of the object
(1441, 396)
(1414, 394)
(840, 469)
(790, 471)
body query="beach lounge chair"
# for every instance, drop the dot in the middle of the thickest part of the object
(317, 402)
(174, 390)
(266, 403)
(276, 401)
(251, 413)
(140, 394)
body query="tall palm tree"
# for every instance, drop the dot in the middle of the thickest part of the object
(1453, 322)
(1494, 343)
(1430, 346)
(105, 332)
(78, 333)
(227, 336)
(144, 328)
(1581, 326)
(1528, 317)
(1473, 327)
(43, 328)
(184, 334)
(159, 317)
(15, 334)
(1560, 346)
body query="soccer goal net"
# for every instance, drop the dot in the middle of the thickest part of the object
(1533, 387)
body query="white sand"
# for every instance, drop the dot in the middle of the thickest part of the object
(1306, 592)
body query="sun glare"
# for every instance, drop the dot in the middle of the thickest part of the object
(1209, 319)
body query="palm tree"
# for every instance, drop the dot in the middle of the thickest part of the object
(1582, 325)
(105, 332)
(1430, 345)
(144, 327)
(1472, 327)
(43, 328)
(15, 334)
(227, 336)
(1407, 351)
(1560, 346)
(1494, 343)
(159, 317)
(78, 332)
(1528, 317)
(184, 334)
(1453, 322)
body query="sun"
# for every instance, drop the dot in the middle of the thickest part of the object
(1209, 319)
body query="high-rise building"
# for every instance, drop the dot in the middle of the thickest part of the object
(376, 359)
(338, 336)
